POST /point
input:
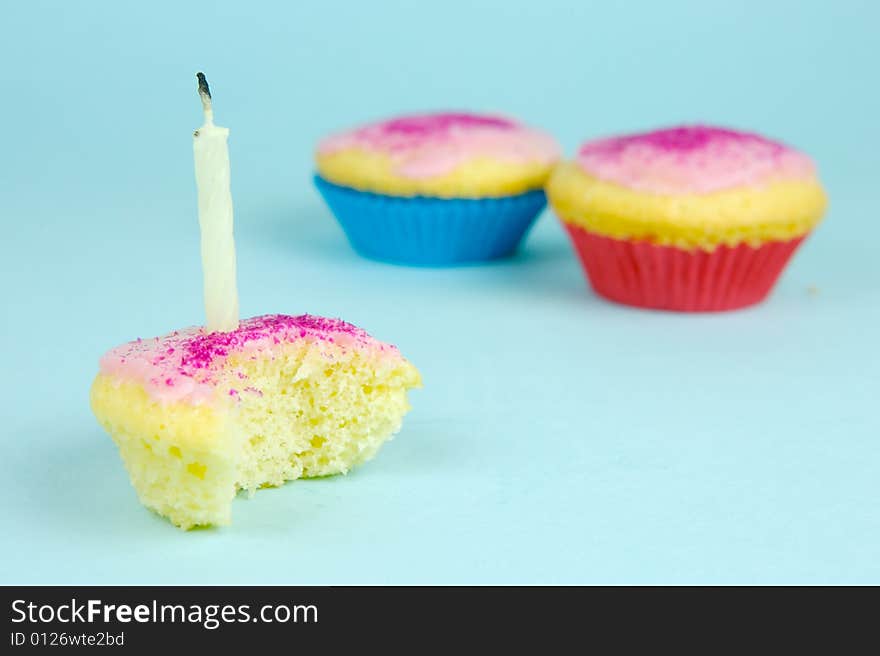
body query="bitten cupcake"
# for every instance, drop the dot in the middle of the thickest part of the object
(692, 218)
(436, 189)
(199, 415)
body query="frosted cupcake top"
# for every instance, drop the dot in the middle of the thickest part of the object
(693, 159)
(427, 145)
(187, 364)
(441, 155)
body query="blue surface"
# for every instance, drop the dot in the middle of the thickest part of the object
(558, 438)
(424, 231)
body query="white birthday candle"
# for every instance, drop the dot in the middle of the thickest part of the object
(215, 219)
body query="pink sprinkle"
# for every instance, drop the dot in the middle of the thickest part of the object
(692, 159)
(433, 123)
(187, 363)
(424, 145)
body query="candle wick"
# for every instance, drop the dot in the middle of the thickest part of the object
(205, 95)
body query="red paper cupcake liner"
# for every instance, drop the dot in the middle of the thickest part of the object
(668, 278)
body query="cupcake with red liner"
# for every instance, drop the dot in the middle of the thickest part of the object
(691, 218)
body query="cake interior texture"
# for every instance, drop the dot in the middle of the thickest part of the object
(309, 408)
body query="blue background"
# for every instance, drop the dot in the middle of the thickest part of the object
(559, 438)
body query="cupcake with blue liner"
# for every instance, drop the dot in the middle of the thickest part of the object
(436, 189)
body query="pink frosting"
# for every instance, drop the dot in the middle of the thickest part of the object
(693, 159)
(185, 365)
(428, 145)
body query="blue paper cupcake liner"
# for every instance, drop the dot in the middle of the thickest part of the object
(425, 231)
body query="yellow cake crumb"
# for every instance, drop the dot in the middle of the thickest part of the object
(781, 210)
(482, 177)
